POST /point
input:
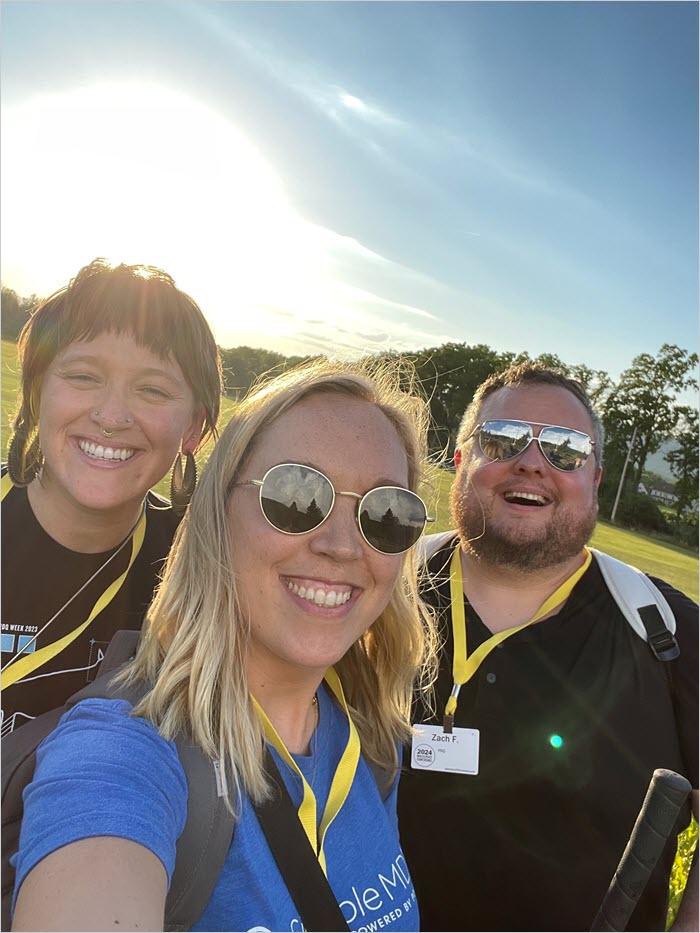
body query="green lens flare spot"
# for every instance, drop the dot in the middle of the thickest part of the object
(556, 741)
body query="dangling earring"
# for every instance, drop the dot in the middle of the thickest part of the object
(24, 462)
(182, 487)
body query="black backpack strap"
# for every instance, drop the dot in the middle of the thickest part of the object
(298, 864)
(19, 752)
(204, 843)
(18, 763)
(642, 603)
(662, 642)
(205, 840)
(121, 648)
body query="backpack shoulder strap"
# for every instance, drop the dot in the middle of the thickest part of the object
(18, 763)
(642, 604)
(313, 897)
(19, 753)
(121, 649)
(204, 842)
(428, 545)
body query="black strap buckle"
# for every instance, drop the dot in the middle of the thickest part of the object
(662, 642)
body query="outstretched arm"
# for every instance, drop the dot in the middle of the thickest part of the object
(687, 916)
(101, 883)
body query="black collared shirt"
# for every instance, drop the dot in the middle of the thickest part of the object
(532, 841)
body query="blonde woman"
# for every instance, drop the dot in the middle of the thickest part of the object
(288, 616)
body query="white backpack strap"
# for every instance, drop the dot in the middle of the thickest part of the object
(642, 604)
(428, 545)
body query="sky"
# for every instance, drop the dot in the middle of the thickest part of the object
(350, 177)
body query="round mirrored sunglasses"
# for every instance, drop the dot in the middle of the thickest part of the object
(296, 499)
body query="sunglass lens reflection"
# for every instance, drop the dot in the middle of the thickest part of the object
(392, 519)
(295, 498)
(565, 449)
(503, 440)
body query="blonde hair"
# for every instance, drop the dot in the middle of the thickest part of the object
(195, 639)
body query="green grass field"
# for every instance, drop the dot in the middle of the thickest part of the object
(678, 567)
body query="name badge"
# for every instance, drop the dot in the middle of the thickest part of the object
(433, 749)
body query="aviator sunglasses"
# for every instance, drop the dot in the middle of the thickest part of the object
(295, 499)
(564, 448)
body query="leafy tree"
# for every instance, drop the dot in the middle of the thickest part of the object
(596, 382)
(645, 397)
(15, 312)
(242, 366)
(683, 460)
(640, 513)
(449, 376)
(552, 361)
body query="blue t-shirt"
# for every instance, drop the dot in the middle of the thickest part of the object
(103, 772)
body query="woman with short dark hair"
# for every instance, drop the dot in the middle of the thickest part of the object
(120, 375)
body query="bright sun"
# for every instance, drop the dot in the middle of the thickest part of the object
(139, 173)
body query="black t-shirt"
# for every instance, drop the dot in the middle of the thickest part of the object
(532, 841)
(39, 576)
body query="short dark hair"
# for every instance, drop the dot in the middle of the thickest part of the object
(142, 301)
(529, 374)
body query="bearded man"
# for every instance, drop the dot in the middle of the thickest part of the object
(551, 711)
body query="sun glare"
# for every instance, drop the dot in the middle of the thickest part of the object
(140, 173)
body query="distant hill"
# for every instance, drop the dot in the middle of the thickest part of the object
(657, 464)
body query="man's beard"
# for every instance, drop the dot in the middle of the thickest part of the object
(561, 539)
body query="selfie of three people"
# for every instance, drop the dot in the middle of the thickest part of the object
(329, 720)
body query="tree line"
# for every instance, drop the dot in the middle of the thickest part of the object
(643, 404)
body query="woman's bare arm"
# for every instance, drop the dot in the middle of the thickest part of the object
(103, 883)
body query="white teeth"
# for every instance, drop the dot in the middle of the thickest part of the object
(105, 453)
(525, 495)
(319, 596)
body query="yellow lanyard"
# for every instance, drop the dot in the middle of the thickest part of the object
(342, 780)
(28, 663)
(463, 667)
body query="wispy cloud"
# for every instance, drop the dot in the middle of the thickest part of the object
(347, 109)
(317, 87)
(358, 113)
(385, 304)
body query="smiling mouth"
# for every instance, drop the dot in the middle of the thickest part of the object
(98, 452)
(321, 594)
(526, 498)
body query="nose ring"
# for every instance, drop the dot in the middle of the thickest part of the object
(105, 433)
